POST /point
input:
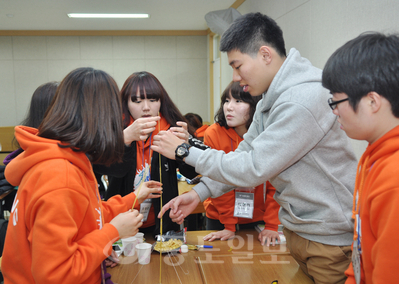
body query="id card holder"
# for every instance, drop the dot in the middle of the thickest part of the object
(244, 203)
(356, 262)
(357, 252)
(145, 209)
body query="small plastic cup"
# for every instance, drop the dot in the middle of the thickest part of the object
(129, 246)
(140, 237)
(144, 253)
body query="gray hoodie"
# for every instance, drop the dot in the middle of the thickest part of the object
(296, 143)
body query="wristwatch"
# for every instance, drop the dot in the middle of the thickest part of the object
(182, 151)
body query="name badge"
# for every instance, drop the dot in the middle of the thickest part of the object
(145, 209)
(357, 251)
(356, 262)
(244, 203)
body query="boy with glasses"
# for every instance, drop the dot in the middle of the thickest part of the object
(363, 77)
(294, 142)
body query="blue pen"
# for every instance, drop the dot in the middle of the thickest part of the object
(202, 246)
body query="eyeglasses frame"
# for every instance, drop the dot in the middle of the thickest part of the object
(333, 104)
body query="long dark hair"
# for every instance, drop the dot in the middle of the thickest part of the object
(39, 103)
(154, 90)
(238, 94)
(194, 121)
(86, 116)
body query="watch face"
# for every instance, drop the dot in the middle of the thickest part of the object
(181, 151)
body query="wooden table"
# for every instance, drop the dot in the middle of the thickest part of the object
(244, 242)
(241, 260)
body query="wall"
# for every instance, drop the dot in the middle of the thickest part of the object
(179, 62)
(318, 27)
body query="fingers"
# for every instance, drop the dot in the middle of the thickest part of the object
(182, 124)
(181, 132)
(207, 237)
(152, 120)
(153, 184)
(165, 208)
(136, 214)
(177, 218)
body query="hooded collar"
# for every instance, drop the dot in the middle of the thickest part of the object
(295, 70)
(38, 149)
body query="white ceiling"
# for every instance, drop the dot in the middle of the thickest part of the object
(52, 14)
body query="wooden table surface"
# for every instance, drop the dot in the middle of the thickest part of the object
(241, 260)
(244, 242)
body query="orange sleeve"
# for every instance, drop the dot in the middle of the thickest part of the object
(271, 209)
(118, 204)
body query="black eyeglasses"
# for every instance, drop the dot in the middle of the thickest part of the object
(333, 104)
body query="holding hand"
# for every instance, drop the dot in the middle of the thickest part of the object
(181, 132)
(222, 235)
(112, 260)
(181, 206)
(149, 189)
(127, 223)
(268, 237)
(165, 143)
(140, 129)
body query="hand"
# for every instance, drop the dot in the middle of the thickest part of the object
(127, 223)
(149, 189)
(181, 132)
(112, 260)
(222, 235)
(140, 129)
(268, 237)
(181, 206)
(165, 143)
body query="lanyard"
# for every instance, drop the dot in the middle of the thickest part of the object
(357, 194)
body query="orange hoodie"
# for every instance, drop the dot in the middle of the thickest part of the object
(200, 132)
(222, 208)
(377, 183)
(59, 229)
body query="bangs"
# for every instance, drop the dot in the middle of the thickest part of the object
(238, 93)
(148, 89)
(146, 95)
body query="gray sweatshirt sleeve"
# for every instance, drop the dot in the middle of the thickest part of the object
(267, 150)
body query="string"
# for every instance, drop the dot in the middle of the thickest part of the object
(161, 223)
(174, 266)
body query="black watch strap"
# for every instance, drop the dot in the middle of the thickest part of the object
(182, 151)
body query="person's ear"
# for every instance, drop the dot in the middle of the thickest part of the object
(374, 101)
(266, 54)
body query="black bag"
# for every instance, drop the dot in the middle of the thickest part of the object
(3, 231)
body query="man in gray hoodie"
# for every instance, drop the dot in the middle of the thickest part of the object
(295, 142)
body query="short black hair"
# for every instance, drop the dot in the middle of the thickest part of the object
(251, 31)
(367, 63)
